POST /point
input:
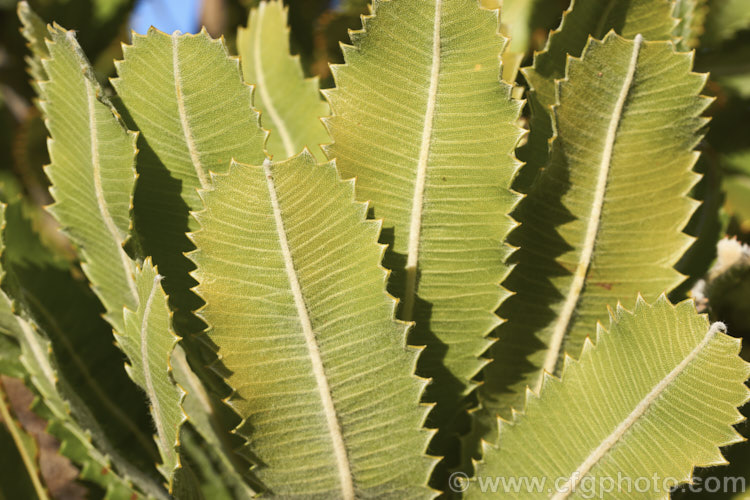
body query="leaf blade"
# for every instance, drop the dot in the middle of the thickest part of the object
(678, 360)
(263, 47)
(273, 305)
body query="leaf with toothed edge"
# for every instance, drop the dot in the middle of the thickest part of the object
(290, 105)
(420, 118)
(660, 378)
(652, 19)
(148, 342)
(35, 32)
(58, 399)
(194, 113)
(604, 220)
(295, 297)
(92, 172)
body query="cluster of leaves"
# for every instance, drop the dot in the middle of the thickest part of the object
(436, 285)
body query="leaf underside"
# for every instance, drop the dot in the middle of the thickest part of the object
(330, 402)
(421, 120)
(290, 105)
(628, 399)
(603, 221)
(186, 97)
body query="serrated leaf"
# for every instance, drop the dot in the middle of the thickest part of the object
(35, 32)
(75, 434)
(691, 15)
(603, 221)
(20, 478)
(330, 402)
(290, 105)
(204, 414)
(187, 98)
(92, 172)
(422, 122)
(652, 19)
(628, 399)
(69, 315)
(148, 341)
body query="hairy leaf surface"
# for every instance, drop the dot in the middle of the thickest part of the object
(422, 122)
(187, 98)
(652, 19)
(149, 341)
(290, 105)
(660, 379)
(92, 172)
(34, 30)
(295, 298)
(603, 221)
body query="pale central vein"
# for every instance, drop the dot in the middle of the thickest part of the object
(101, 202)
(334, 428)
(594, 220)
(260, 76)
(153, 397)
(415, 226)
(571, 484)
(189, 139)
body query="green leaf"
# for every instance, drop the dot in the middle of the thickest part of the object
(330, 402)
(628, 399)
(603, 220)
(76, 433)
(22, 477)
(691, 15)
(652, 19)
(204, 412)
(290, 105)
(92, 172)
(148, 341)
(69, 315)
(422, 122)
(187, 98)
(35, 32)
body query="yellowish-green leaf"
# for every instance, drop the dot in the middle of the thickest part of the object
(422, 122)
(290, 105)
(34, 31)
(186, 97)
(148, 341)
(660, 379)
(92, 172)
(295, 299)
(94, 456)
(652, 19)
(603, 221)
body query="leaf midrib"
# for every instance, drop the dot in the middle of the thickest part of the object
(101, 202)
(260, 75)
(607, 443)
(594, 220)
(321, 379)
(146, 367)
(415, 225)
(205, 182)
(90, 380)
